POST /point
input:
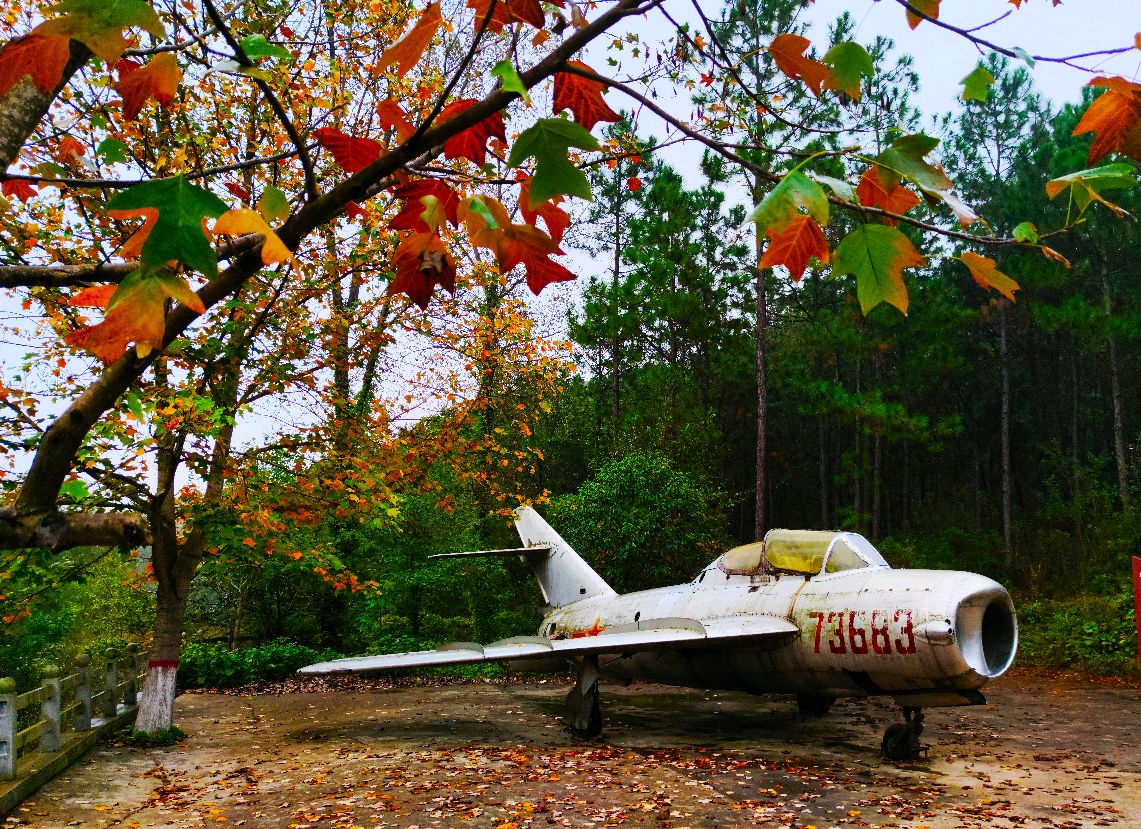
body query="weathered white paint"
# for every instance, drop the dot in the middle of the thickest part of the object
(926, 637)
(156, 703)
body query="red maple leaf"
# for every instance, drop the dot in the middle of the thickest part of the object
(351, 154)
(556, 219)
(237, 189)
(19, 188)
(582, 96)
(410, 217)
(530, 247)
(1116, 118)
(506, 12)
(40, 57)
(422, 262)
(793, 244)
(472, 142)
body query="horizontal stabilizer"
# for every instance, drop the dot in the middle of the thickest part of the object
(537, 550)
(647, 635)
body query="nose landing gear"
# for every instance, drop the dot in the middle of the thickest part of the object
(901, 740)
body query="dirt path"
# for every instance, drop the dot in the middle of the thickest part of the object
(1045, 753)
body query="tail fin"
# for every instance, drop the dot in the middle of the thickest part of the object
(562, 574)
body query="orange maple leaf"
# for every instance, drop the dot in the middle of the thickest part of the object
(1116, 118)
(788, 54)
(930, 8)
(69, 151)
(407, 51)
(793, 244)
(40, 57)
(877, 190)
(97, 296)
(506, 12)
(137, 316)
(137, 84)
(392, 116)
(244, 220)
(133, 247)
(472, 142)
(582, 96)
(422, 262)
(554, 217)
(351, 154)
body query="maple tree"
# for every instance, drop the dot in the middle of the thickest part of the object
(243, 190)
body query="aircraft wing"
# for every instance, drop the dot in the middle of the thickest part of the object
(648, 635)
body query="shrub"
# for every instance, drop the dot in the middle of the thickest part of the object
(213, 665)
(1096, 634)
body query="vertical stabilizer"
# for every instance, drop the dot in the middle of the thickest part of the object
(562, 574)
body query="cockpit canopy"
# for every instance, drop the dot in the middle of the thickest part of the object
(806, 552)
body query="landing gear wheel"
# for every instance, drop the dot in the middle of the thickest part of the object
(901, 740)
(814, 705)
(583, 712)
(593, 719)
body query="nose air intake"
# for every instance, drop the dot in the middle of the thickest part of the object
(988, 631)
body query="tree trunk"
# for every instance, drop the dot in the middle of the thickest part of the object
(822, 468)
(877, 457)
(762, 383)
(615, 361)
(156, 705)
(1115, 390)
(1004, 368)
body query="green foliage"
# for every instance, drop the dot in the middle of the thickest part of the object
(32, 643)
(213, 665)
(643, 523)
(1094, 634)
(157, 739)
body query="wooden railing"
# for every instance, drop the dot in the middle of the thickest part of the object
(67, 704)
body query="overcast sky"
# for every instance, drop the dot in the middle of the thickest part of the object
(943, 58)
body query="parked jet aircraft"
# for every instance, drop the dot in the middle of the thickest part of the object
(816, 614)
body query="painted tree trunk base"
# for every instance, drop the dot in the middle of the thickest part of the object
(156, 704)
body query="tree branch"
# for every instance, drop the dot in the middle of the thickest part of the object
(62, 530)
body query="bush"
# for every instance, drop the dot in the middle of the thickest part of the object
(213, 665)
(1094, 634)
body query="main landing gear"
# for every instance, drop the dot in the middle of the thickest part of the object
(901, 740)
(583, 713)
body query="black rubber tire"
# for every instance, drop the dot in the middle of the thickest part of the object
(899, 744)
(814, 705)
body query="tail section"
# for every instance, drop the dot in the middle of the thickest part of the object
(562, 574)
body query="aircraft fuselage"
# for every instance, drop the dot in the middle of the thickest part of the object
(927, 637)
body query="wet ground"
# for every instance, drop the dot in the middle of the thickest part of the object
(1045, 753)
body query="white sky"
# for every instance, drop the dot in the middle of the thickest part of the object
(942, 58)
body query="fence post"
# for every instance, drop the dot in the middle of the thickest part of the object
(131, 698)
(49, 709)
(111, 687)
(83, 693)
(7, 728)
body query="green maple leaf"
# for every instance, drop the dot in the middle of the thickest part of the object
(509, 79)
(547, 142)
(256, 46)
(876, 255)
(905, 157)
(273, 204)
(1026, 232)
(794, 191)
(99, 23)
(976, 86)
(850, 62)
(1086, 186)
(177, 233)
